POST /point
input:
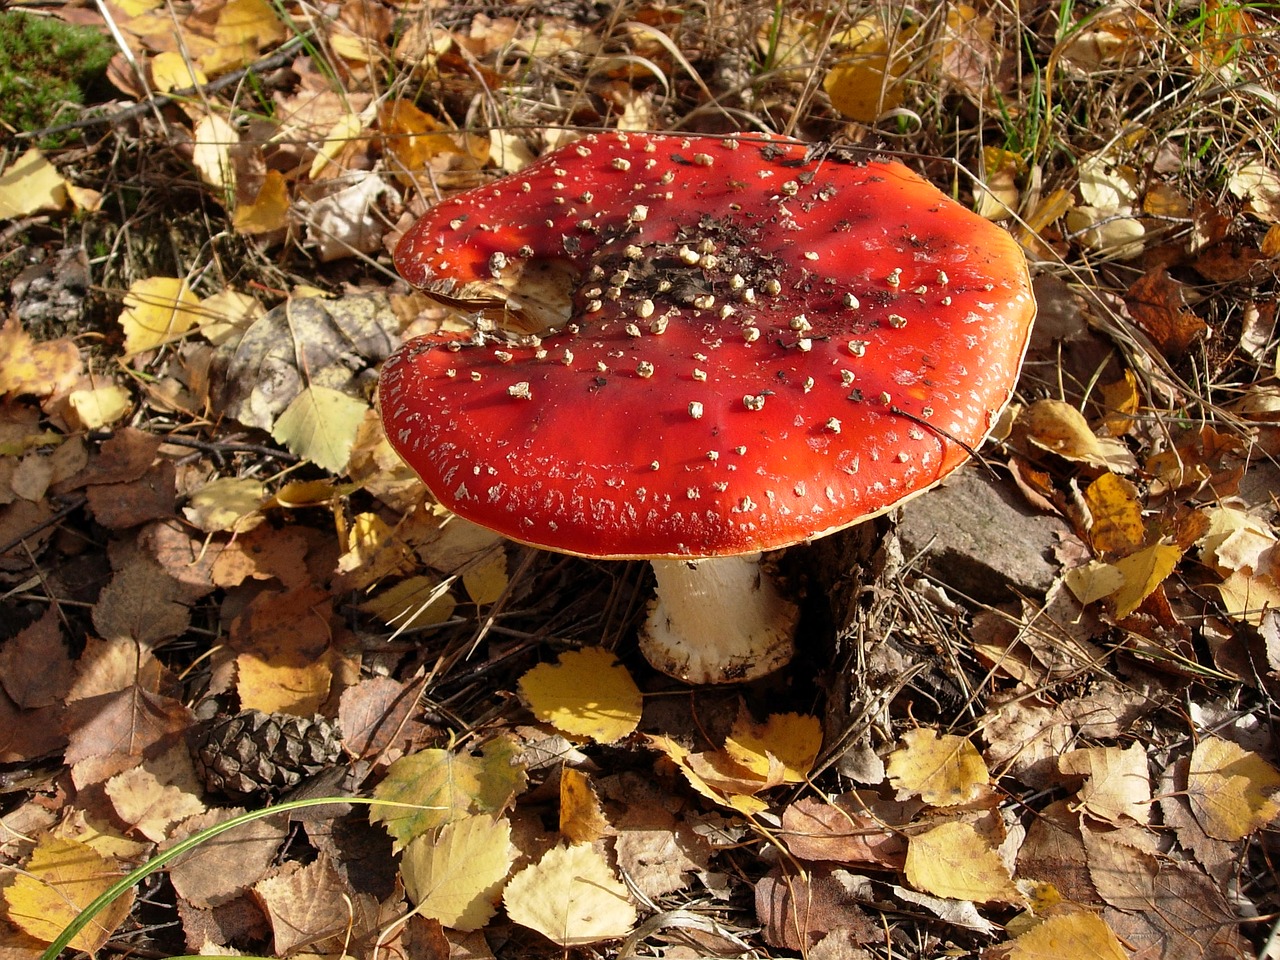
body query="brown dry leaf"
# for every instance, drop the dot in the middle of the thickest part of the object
(855, 828)
(1217, 857)
(373, 712)
(582, 819)
(1258, 185)
(1116, 528)
(1170, 909)
(59, 880)
(1232, 791)
(1157, 303)
(655, 849)
(304, 904)
(117, 731)
(571, 897)
(587, 693)
(1053, 851)
(1117, 787)
(941, 770)
(40, 369)
(433, 787)
(219, 869)
(1069, 936)
(796, 910)
(953, 860)
(1062, 429)
(455, 874)
(35, 667)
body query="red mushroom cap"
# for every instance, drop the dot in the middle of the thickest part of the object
(719, 345)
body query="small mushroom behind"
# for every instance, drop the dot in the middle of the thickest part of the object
(697, 349)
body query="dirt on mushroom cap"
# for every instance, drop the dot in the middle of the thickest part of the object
(719, 346)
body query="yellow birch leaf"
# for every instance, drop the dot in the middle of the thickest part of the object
(339, 135)
(227, 503)
(282, 686)
(40, 369)
(791, 740)
(455, 875)
(1121, 401)
(1092, 581)
(1143, 572)
(953, 860)
(148, 804)
(941, 770)
(486, 582)
(581, 818)
(586, 694)
(416, 602)
(61, 878)
(1232, 791)
(571, 897)
(1069, 936)
(1117, 527)
(157, 310)
(171, 71)
(737, 794)
(865, 82)
(432, 787)
(211, 155)
(31, 184)
(320, 425)
(269, 209)
(227, 313)
(1247, 596)
(100, 406)
(250, 22)
(1062, 429)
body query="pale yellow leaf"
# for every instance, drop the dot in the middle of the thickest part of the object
(148, 804)
(100, 406)
(455, 874)
(953, 860)
(1232, 791)
(212, 152)
(320, 425)
(1062, 429)
(282, 686)
(157, 310)
(941, 770)
(1117, 787)
(60, 879)
(1069, 936)
(1093, 581)
(784, 747)
(1247, 597)
(571, 897)
(586, 694)
(339, 135)
(30, 185)
(227, 313)
(227, 503)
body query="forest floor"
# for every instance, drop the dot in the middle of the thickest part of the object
(223, 594)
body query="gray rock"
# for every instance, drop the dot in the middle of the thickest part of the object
(978, 537)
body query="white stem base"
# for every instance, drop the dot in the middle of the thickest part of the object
(717, 621)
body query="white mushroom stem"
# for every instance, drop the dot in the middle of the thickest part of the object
(718, 621)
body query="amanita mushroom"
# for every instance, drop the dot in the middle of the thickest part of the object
(695, 347)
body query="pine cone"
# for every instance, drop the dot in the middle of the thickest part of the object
(253, 753)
